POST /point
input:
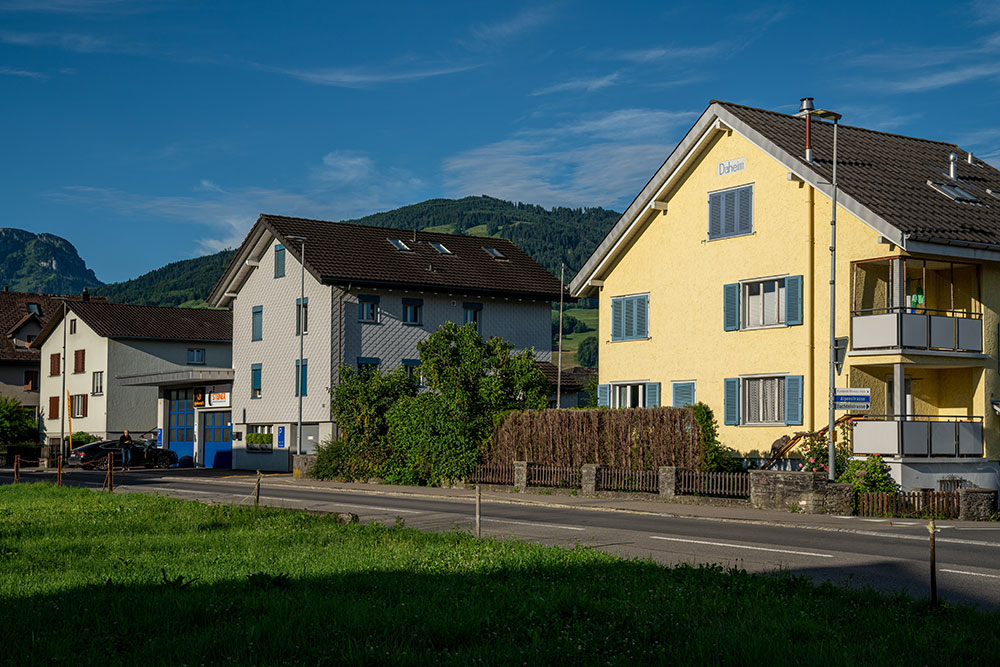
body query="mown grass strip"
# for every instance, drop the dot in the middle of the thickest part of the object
(91, 578)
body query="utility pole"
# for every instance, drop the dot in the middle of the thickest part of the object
(562, 278)
(62, 395)
(300, 313)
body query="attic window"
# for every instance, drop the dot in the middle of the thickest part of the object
(399, 245)
(953, 192)
(440, 248)
(33, 308)
(495, 254)
(995, 193)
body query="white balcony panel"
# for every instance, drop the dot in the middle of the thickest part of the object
(876, 437)
(875, 331)
(914, 330)
(970, 438)
(943, 439)
(970, 334)
(943, 332)
(915, 438)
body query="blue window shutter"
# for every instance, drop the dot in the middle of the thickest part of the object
(652, 394)
(714, 215)
(729, 213)
(604, 395)
(731, 399)
(279, 261)
(793, 300)
(731, 307)
(642, 316)
(617, 319)
(258, 323)
(683, 394)
(629, 328)
(744, 210)
(793, 399)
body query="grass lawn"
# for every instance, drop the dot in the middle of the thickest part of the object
(571, 341)
(81, 583)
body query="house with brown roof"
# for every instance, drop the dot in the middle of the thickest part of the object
(371, 294)
(22, 317)
(715, 286)
(117, 363)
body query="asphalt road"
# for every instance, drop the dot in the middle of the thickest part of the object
(886, 555)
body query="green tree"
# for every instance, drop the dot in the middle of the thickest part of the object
(587, 352)
(715, 457)
(17, 426)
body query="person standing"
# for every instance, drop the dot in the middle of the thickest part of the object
(125, 442)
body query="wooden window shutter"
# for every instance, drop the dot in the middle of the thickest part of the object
(78, 361)
(793, 400)
(683, 394)
(793, 300)
(731, 307)
(652, 394)
(731, 400)
(744, 210)
(714, 215)
(83, 410)
(617, 319)
(604, 395)
(642, 316)
(54, 364)
(53, 407)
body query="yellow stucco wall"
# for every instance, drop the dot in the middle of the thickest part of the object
(683, 272)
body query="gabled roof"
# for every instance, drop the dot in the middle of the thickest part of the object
(883, 180)
(119, 320)
(14, 314)
(340, 253)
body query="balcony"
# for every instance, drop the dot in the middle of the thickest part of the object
(918, 436)
(906, 303)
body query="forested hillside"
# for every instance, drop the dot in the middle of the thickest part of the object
(183, 283)
(42, 263)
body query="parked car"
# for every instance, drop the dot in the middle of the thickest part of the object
(145, 454)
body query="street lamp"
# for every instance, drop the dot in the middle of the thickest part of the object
(300, 314)
(807, 110)
(62, 397)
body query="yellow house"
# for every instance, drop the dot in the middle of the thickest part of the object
(714, 286)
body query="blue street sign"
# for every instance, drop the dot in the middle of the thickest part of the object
(281, 437)
(159, 437)
(852, 399)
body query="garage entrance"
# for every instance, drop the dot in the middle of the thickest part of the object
(217, 439)
(180, 436)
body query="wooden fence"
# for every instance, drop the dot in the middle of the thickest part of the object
(909, 504)
(559, 476)
(611, 479)
(729, 484)
(493, 473)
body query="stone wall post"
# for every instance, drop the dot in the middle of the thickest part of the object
(780, 490)
(588, 482)
(520, 475)
(668, 482)
(976, 504)
(839, 499)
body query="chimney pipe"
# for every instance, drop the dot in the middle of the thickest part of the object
(806, 107)
(85, 295)
(953, 166)
(971, 159)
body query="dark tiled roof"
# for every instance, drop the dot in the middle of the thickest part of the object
(119, 320)
(888, 174)
(14, 312)
(339, 253)
(573, 379)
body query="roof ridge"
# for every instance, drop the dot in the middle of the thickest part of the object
(142, 305)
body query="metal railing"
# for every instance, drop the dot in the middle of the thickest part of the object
(924, 435)
(493, 473)
(729, 484)
(941, 329)
(554, 476)
(610, 479)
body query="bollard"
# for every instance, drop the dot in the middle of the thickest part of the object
(17, 468)
(479, 503)
(256, 490)
(59, 471)
(932, 530)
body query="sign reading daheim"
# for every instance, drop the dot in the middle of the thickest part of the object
(731, 166)
(199, 397)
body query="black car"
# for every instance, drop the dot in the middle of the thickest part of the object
(144, 455)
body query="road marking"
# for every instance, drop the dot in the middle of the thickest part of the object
(983, 528)
(741, 546)
(534, 523)
(336, 504)
(974, 574)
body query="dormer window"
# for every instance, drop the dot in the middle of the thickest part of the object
(441, 248)
(33, 308)
(495, 254)
(953, 192)
(399, 245)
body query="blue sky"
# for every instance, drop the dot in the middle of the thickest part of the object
(146, 132)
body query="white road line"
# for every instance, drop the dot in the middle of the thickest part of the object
(741, 546)
(533, 523)
(983, 528)
(974, 574)
(393, 510)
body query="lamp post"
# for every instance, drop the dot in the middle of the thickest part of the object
(300, 314)
(62, 395)
(806, 109)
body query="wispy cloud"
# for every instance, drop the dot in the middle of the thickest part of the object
(914, 69)
(365, 77)
(985, 11)
(586, 85)
(13, 71)
(667, 54)
(68, 41)
(79, 6)
(512, 27)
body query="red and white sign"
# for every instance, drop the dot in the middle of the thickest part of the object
(219, 399)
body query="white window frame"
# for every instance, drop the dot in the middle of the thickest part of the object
(72, 326)
(779, 403)
(97, 383)
(616, 386)
(76, 406)
(780, 300)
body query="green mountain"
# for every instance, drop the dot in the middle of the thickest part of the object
(42, 263)
(183, 283)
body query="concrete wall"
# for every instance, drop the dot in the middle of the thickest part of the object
(12, 383)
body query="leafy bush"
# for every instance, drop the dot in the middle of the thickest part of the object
(815, 451)
(870, 475)
(16, 424)
(431, 440)
(587, 352)
(715, 457)
(81, 438)
(334, 460)
(260, 438)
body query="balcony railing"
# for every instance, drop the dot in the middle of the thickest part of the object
(918, 435)
(916, 328)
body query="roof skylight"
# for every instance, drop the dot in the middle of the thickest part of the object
(953, 192)
(441, 248)
(399, 245)
(33, 308)
(495, 254)
(995, 193)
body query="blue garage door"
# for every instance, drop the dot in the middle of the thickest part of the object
(180, 436)
(217, 438)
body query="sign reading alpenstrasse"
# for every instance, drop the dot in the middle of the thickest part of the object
(852, 398)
